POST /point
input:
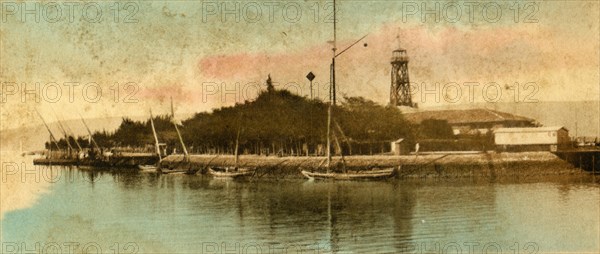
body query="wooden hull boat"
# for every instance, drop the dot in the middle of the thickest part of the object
(148, 168)
(174, 171)
(351, 175)
(229, 172)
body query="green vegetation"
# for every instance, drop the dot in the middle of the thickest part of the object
(277, 121)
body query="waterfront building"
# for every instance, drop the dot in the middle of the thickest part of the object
(532, 139)
(472, 121)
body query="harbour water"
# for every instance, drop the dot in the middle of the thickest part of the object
(119, 211)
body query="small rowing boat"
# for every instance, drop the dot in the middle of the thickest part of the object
(148, 168)
(174, 171)
(351, 175)
(229, 172)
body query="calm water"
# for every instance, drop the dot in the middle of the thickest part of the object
(146, 213)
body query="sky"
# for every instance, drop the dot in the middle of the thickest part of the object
(108, 58)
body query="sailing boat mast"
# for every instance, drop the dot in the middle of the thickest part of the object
(90, 133)
(156, 144)
(74, 138)
(185, 151)
(332, 89)
(172, 110)
(52, 138)
(334, 49)
(328, 136)
(237, 143)
(64, 132)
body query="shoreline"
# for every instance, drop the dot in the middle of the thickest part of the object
(452, 165)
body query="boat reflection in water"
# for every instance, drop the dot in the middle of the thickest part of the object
(184, 214)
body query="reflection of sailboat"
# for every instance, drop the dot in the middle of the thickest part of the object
(346, 175)
(333, 235)
(231, 172)
(322, 194)
(154, 167)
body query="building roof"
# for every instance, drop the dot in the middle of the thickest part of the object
(457, 117)
(530, 129)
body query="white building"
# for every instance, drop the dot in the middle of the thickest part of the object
(399, 147)
(531, 139)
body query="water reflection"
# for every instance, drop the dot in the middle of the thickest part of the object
(183, 214)
(404, 203)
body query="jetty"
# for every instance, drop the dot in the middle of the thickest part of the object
(586, 159)
(452, 165)
(121, 160)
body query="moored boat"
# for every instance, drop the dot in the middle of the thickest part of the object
(173, 171)
(153, 167)
(351, 175)
(229, 172)
(371, 174)
(186, 156)
(148, 168)
(235, 171)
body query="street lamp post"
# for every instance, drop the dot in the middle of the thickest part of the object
(332, 88)
(335, 55)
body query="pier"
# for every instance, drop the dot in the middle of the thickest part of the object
(588, 159)
(122, 160)
(453, 165)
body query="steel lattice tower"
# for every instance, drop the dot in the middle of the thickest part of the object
(400, 94)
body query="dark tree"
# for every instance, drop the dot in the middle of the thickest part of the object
(436, 129)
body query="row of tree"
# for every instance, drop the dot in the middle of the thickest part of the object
(277, 121)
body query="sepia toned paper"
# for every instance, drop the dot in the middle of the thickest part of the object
(300, 126)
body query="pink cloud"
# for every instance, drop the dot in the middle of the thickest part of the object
(440, 54)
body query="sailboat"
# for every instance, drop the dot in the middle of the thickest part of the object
(186, 155)
(95, 157)
(231, 172)
(49, 157)
(371, 174)
(153, 167)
